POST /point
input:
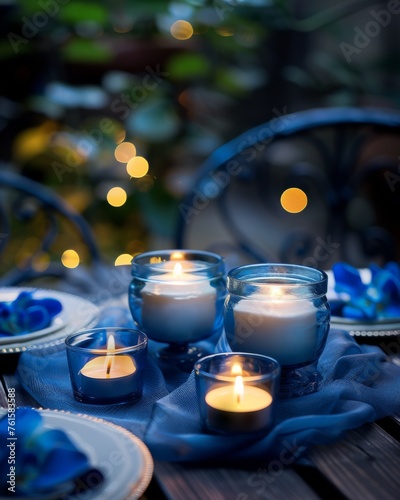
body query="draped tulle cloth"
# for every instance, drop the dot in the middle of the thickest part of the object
(358, 385)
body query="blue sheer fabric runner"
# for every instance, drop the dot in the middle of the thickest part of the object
(358, 385)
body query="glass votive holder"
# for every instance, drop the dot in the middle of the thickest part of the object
(280, 310)
(237, 392)
(106, 365)
(176, 297)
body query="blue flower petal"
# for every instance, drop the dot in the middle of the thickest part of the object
(380, 298)
(26, 314)
(347, 279)
(37, 317)
(59, 460)
(52, 306)
(47, 460)
(393, 268)
(352, 312)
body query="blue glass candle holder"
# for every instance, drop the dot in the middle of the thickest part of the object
(237, 392)
(106, 365)
(280, 310)
(176, 297)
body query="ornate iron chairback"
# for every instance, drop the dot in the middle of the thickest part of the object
(36, 226)
(346, 160)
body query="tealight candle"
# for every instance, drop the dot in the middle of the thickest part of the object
(108, 376)
(241, 401)
(107, 364)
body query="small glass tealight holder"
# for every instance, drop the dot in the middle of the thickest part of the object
(106, 365)
(237, 392)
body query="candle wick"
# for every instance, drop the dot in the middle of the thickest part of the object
(108, 370)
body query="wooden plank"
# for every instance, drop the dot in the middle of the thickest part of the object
(3, 396)
(22, 397)
(364, 465)
(184, 482)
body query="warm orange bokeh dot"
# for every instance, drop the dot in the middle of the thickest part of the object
(124, 152)
(70, 258)
(116, 196)
(123, 260)
(137, 167)
(294, 200)
(181, 30)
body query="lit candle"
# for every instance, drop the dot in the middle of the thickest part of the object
(238, 406)
(109, 376)
(178, 306)
(278, 326)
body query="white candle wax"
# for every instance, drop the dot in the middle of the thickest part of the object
(284, 329)
(178, 306)
(228, 412)
(109, 376)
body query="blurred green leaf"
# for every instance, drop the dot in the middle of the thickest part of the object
(75, 12)
(86, 51)
(188, 66)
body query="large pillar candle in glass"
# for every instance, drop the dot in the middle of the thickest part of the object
(176, 297)
(280, 310)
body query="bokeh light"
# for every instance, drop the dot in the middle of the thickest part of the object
(123, 260)
(116, 196)
(294, 200)
(137, 167)
(124, 152)
(70, 259)
(181, 30)
(41, 262)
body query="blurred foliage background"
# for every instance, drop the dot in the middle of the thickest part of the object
(116, 104)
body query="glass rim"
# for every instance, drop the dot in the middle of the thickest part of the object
(289, 277)
(212, 262)
(274, 373)
(118, 350)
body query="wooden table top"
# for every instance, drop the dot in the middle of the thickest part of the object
(365, 465)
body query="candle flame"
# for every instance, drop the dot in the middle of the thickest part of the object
(177, 256)
(236, 369)
(178, 269)
(239, 388)
(276, 291)
(108, 362)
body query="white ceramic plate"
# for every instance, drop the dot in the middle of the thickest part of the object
(76, 313)
(385, 327)
(123, 458)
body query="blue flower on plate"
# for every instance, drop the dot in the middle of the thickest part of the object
(27, 314)
(377, 299)
(39, 462)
